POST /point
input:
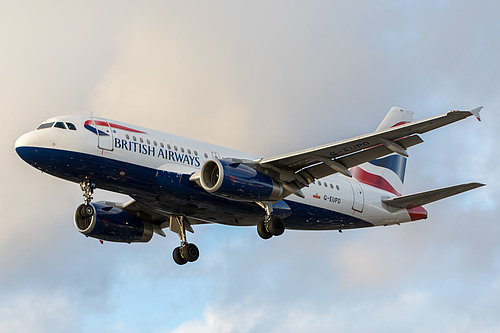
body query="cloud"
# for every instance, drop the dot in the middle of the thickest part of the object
(265, 78)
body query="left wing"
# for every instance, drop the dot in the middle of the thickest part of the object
(299, 169)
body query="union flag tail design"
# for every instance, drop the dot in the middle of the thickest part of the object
(386, 173)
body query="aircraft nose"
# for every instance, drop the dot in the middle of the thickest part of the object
(25, 143)
(28, 140)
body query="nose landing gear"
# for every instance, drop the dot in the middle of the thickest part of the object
(88, 187)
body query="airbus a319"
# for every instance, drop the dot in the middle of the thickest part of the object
(176, 183)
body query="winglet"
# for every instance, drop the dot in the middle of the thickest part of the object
(475, 112)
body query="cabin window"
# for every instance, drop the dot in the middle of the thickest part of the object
(195, 153)
(319, 183)
(162, 145)
(154, 142)
(175, 148)
(127, 136)
(169, 147)
(71, 126)
(148, 142)
(45, 125)
(134, 138)
(206, 155)
(338, 188)
(331, 185)
(326, 185)
(182, 149)
(189, 151)
(140, 139)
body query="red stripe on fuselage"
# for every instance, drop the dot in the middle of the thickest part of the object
(120, 127)
(372, 180)
(417, 213)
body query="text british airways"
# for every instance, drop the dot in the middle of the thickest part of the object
(145, 149)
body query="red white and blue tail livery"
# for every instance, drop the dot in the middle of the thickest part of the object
(176, 183)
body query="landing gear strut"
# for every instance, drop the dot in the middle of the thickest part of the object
(88, 188)
(271, 225)
(187, 252)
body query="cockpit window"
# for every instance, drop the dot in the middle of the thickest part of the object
(71, 126)
(45, 125)
(60, 124)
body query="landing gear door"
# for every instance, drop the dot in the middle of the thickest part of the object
(358, 202)
(104, 135)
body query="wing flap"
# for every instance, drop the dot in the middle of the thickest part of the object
(319, 171)
(422, 198)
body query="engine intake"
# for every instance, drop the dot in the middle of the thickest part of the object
(238, 181)
(112, 224)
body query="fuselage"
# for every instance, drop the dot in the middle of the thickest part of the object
(155, 168)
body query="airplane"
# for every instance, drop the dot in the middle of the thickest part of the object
(176, 182)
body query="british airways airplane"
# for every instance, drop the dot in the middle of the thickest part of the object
(175, 182)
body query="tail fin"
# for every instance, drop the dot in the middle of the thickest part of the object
(386, 173)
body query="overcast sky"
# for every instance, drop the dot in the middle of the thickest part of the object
(267, 77)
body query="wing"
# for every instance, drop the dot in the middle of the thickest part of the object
(301, 168)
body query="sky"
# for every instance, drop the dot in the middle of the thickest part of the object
(266, 77)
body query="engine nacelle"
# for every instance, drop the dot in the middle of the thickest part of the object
(238, 181)
(112, 224)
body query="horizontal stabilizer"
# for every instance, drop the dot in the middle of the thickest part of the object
(422, 198)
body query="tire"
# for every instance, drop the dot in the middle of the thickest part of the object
(276, 227)
(87, 211)
(190, 252)
(179, 260)
(262, 231)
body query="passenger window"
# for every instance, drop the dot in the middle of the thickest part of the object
(326, 185)
(175, 148)
(338, 188)
(154, 142)
(206, 155)
(162, 145)
(195, 153)
(319, 183)
(71, 126)
(189, 151)
(60, 125)
(182, 149)
(134, 138)
(127, 136)
(45, 125)
(140, 139)
(148, 142)
(331, 185)
(169, 147)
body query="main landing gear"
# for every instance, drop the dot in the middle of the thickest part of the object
(187, 252)
(271, 225)
(88, 188)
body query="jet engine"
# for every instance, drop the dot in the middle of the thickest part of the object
(238, 181)
(111, 224)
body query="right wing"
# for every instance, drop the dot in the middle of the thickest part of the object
(299, 169)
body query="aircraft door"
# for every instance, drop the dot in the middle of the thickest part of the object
(358, 202)
(104, 135)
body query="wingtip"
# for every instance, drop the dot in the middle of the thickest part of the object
(476, 111)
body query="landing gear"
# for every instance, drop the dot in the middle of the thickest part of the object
(271, 225)
(88, 187)
(187, 252)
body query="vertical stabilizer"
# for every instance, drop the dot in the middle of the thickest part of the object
(386, 173)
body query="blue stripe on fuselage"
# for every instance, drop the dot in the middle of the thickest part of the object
(174, 192)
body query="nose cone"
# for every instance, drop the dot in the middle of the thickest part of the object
(25, 144)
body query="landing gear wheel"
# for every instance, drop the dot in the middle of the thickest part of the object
(87, 211)
(179, 260)
(262, 231)
(276, 226)
(190, 252)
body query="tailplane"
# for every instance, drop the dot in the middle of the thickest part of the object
(386, 173)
